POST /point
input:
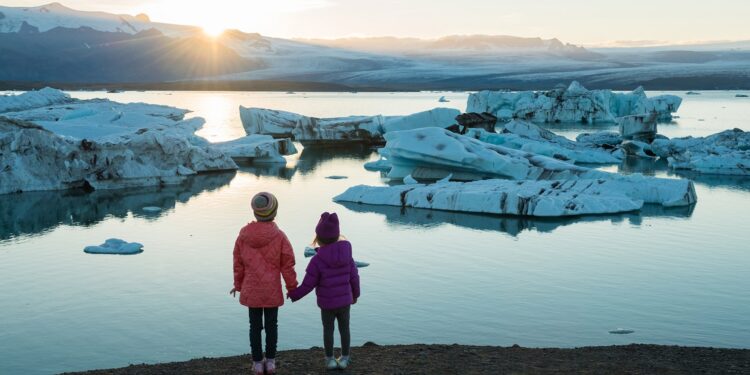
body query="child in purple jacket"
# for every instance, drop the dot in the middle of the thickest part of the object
(333, 275)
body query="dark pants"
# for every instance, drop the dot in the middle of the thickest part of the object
(259, 316)
(342, 316)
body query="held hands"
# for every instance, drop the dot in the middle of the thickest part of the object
(234, 292)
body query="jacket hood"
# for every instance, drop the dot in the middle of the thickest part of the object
(336, 254)
(259, 233)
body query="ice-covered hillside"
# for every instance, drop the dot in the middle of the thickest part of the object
(49, 16)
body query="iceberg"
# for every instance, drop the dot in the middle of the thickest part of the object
(574, 104)
(526, 136)
(638, 127)
(726, 153)
(504, 197)
(337, 130)
(35, 159)
(258, 149)
(33, 99)
(102, 118)
(607, 140)
(381, 164)
(115, 246)
(431, 153)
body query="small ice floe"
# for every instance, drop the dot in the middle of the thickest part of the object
(692, 93)
(335, 177)
(443, 100)
(741, 96)
(361, 264)
(409, 180)
(621, 331)
(151, 209)
(115, 246)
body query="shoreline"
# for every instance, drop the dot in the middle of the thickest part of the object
(467, 359)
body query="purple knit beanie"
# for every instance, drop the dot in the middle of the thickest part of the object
(328, 226)
(264, 206)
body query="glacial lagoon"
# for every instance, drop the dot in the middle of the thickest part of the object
(673, 276)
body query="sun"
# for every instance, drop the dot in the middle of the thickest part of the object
(213, 30)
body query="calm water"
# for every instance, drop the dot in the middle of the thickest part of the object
(675, 276)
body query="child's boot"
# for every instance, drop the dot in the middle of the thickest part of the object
(258, 368)
(331, 363)
(270, 366)
(344, 361)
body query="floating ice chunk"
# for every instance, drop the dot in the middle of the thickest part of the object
(115, 246)
(258, 149)
(350, 129)
(526, 136)
(409, 180)
(443, 100)
(151, 209)
(433, 153)
(361, 264)
(279, 124)
(507, 197)
(741, 96)
(574, 104)
(335, 177)
(692, 93)
(378, 165)
(35, 159)
(727, 152)
(621, 331)
(33, 99)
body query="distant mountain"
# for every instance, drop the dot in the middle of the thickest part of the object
(459, 44)
(53, 44)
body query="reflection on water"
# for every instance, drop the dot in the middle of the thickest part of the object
(37, 212)
(659, 167)
(312, 157)
(512, 225)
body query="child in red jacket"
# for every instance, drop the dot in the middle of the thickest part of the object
(262, 254)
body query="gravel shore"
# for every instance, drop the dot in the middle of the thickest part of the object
(461, 359)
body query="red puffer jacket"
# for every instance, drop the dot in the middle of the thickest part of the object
(262, 253)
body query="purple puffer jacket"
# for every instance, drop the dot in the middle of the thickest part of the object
(333, 275)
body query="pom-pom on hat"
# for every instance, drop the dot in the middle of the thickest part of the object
(328, 226)
(264, 206)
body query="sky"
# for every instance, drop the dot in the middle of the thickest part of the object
(587, 22)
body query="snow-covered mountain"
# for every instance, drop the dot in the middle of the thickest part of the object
(47, 17)
(52, 44)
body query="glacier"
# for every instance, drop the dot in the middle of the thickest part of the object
(350, 129)
(574, 104)
(432, 153)
(726, 153)
(506, 197)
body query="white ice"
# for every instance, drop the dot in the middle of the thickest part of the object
(366, 129)
(115, 246)
(572, 105)
(526, 136)
(524, 198)
(433, 153)
(33, 99)
(726, 153)
(258, 149)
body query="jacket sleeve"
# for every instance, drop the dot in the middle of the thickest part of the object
(354, 279)
(239, 268)
(312, 275)
(287, 265)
